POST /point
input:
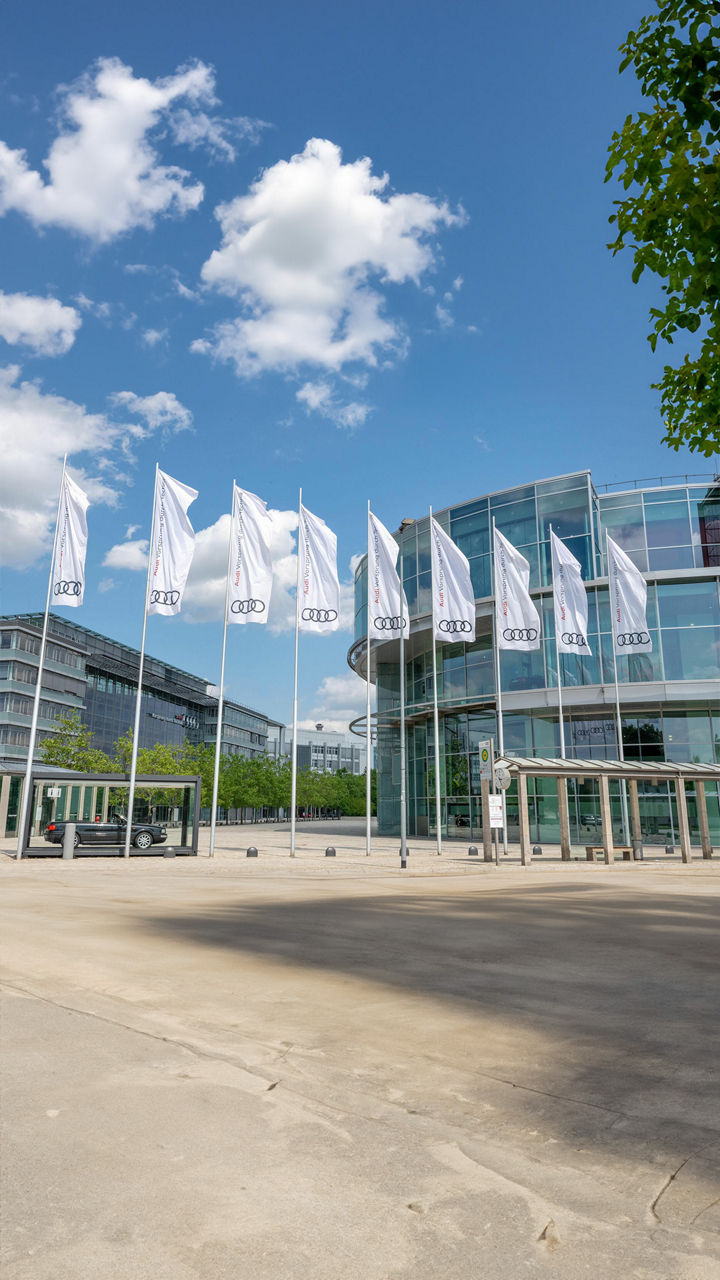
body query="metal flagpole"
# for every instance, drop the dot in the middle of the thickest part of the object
(293, 784)
(436, 718)
(136, 729)
(403, 786)
(26, 797)
(216, 775)
(557, 653)
(368, 779)
(618, 721)
(498, 688)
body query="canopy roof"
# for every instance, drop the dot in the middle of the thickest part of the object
(538, 767)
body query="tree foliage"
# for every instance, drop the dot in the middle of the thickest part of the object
(70, 747)
(668, 161)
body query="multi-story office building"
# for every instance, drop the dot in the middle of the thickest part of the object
(324, 750)
(97, 676)
(669, 699)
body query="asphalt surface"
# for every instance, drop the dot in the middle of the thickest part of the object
(319, 1068)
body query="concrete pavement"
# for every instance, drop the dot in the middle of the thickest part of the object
(330, 1068)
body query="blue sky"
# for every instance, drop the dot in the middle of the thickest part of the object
(417, 308)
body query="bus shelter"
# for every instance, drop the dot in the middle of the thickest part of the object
(91, 799)
(629, 774)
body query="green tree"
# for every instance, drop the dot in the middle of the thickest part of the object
(668, 161)
(71, 747)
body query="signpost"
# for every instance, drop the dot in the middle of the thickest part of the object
(496, 807)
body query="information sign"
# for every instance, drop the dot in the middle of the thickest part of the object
(495, 809)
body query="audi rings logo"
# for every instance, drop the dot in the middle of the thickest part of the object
(628, 638)
(390, 624)
(520, 633)
(68, 588)
(454, 625)
(247, 606)
(319, 615)
(573, 637)
(164, 597)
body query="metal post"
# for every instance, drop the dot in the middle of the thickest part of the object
(403, 782)
(368, 782)
(293, 783)
(218, 738)
(557, 651)
(136, 730)
(26, 798)
(618, 722)
(498, 686)
(69, 840)
(436, 717)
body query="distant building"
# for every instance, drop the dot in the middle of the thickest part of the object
(323, 750)
(97, 677)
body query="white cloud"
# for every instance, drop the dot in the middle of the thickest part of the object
(106, 584)
(216, 134)
(304, 253)
(43, 324)
(104, 175)
(36, 429)
(319, 397)
(127, 555)
(151, 337)
(458, 283)
(445, 320)
(339, 699)
(160, 410)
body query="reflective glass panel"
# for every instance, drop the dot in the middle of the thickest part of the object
(688, 604)
(667, 524)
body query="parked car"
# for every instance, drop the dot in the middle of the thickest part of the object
(144, 834)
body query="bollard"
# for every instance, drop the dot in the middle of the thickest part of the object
(403, 861)
(472, 851)
(252, 852)
(69, 840)
(537, 851)
(330, 852)
(637, 849)
(670, 849)
(169, 852)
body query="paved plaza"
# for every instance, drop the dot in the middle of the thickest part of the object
(315, 1069)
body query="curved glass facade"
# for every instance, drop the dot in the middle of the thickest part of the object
(670, 699)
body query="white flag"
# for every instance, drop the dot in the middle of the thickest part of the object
(68, 581)
(453, 598)
(172, 543)
(319, 604)
(517, 621)
(386, 599)
(250, 561)
(628, 603)
(570, 599)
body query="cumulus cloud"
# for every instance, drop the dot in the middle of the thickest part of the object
(215, 134)
(127, 555)
(305, 253)
(338, 700)
(151, 337)
(160, 410)
(36, 430)
(104, 173)
(43, 324)
(319, 397)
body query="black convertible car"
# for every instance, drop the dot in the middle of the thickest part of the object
(144, 834)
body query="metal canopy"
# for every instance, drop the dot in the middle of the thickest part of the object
(538, 767)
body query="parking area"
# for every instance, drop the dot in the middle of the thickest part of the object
(324, 1067)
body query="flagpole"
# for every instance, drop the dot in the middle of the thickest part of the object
(368, 779)
(498, 686)
(557, 651)
(403, 783)
(26, 798)
(293, 784)
(216, 775)
(618, 721)
(136, 729)
(436, 718)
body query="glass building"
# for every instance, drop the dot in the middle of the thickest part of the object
(669, 699)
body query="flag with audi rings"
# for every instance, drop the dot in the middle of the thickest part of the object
(319, 603)
(251, 571)
(387, 605)
(517, 621)
(172, 543)
(628, 603)
(68, 580)
(570, 599)
(453, 598)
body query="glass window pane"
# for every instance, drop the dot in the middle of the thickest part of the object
(568, 513)
(688, 604)
(667, 524)
(624, 524)
(692, 653)
(671, 558)
(481, 576)
(517, 522)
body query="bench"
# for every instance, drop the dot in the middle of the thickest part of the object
(592, 849)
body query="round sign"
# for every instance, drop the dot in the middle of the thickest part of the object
(503, 777)
(484, 755)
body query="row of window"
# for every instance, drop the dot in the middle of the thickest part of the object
(23, 674)
(31, 644)
(16, 704)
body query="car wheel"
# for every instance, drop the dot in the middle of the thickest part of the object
(143, 840)
(76, 841)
